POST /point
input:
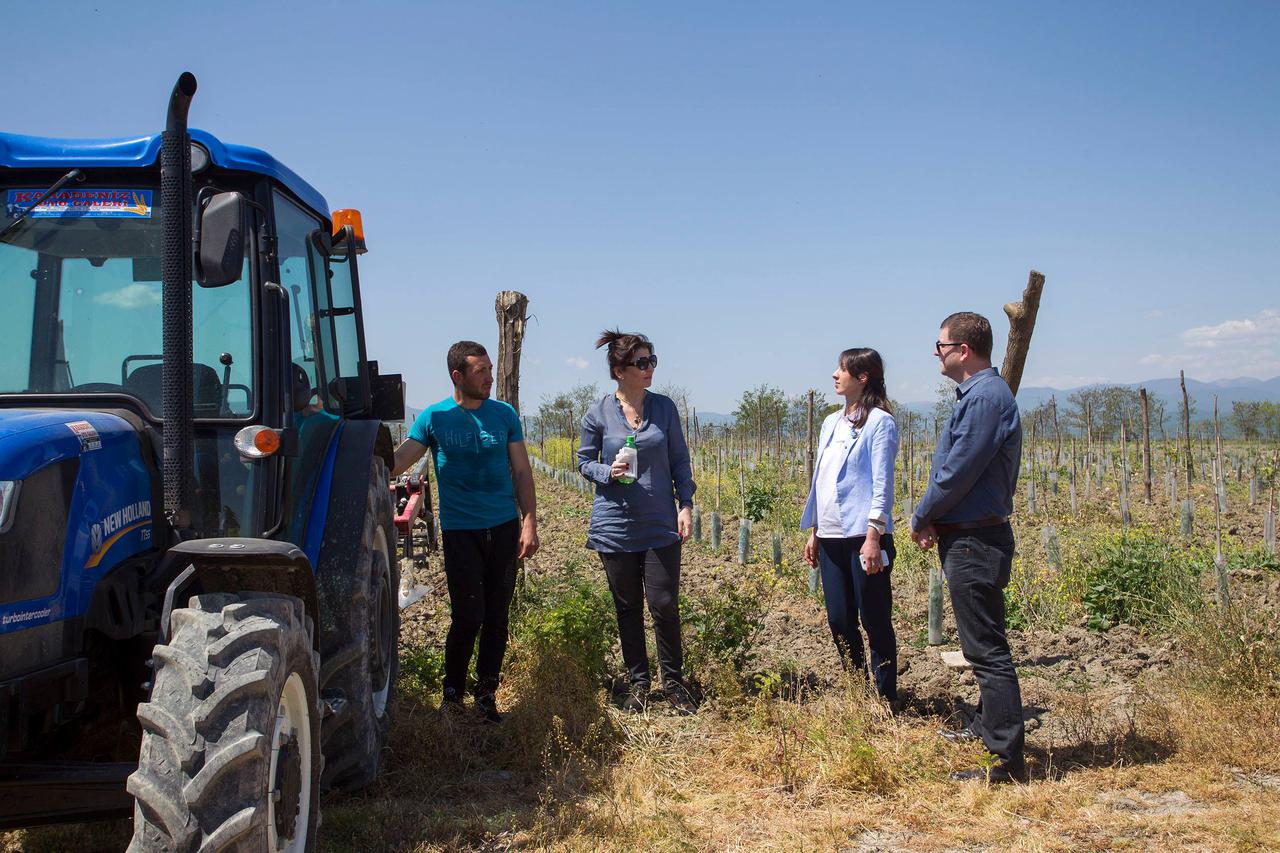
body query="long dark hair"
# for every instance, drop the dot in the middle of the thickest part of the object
(622, 348)
(861, 360)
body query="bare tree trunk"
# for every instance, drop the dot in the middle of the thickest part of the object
(1022, 322)
(511, 307)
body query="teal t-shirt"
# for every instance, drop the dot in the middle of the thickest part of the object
(469, 448)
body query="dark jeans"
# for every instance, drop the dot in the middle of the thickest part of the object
(480, 566)
(850, 591)
(977, 565)
(655, 575)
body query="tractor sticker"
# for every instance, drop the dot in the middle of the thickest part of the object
(24, 616)
(113, 526)
(81, 204)
(89, 438)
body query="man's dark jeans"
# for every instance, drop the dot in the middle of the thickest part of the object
(480, 567)
(633, 577)
(850, 591)
(977, 565)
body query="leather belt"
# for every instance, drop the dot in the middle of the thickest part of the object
(955, 527)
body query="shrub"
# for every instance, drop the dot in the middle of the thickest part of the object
(421, 670)
(721, 628)
(1136, 577)
(760, 499)
(569, 612)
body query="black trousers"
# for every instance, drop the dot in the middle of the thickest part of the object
(977, 564)
(849, 592)
(480, 567)
(653, 575)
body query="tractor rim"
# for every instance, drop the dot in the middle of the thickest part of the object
(289, 779)
(381, 648)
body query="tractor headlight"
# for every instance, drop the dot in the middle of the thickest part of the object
(8, 502)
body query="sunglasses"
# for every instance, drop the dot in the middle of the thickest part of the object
(645, 362)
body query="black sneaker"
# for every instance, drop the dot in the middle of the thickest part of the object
(487, 708)
(959, 735)
(451, 702)
(637, 699)
(680, 700)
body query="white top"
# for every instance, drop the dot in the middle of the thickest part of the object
(830, 462)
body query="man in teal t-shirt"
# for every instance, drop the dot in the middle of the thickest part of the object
(483, 472)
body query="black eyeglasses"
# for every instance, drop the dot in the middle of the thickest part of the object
(645, 362)
(938, 345)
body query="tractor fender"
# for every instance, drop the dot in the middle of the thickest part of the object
(358, 443)
(235, 565)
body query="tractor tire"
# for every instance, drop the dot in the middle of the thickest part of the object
(230, 756)
(359, 646)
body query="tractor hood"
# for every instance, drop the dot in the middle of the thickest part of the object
(30, 439)
(83, 504)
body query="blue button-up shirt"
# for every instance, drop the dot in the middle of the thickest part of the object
(634, 517)
(975, 467)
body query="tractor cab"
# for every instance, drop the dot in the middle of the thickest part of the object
(83, 323)
(193, 485)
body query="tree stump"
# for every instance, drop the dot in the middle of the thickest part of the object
(1022, 322)
(511, 307)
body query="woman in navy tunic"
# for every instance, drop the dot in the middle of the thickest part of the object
(635, 526)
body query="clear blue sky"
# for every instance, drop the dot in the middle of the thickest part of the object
(755, 185)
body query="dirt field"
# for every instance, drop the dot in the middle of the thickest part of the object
(788, 754)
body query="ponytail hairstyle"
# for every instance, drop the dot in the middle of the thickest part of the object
(622, 348)
(858, 361)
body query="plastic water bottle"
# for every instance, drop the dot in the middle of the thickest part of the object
(628, 454)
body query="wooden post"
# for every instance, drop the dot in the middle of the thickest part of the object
(808, 465)
(1219, 558)
(1022, 322)
(1186, 429)
(1146, 444)
(511, 307)
(719, 462)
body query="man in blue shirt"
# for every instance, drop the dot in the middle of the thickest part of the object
(483, 472)
(965, 511)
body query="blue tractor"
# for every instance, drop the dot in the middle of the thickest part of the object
(198, 582)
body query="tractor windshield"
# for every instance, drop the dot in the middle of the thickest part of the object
(80, 303)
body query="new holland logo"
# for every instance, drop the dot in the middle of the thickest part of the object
(105, 533)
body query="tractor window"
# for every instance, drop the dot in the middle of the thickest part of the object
(82, 315)
(300, 268)
(17, 271)
(345, 339)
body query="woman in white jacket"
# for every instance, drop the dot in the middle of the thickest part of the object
(850, 510)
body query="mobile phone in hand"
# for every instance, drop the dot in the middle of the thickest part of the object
(884, 560)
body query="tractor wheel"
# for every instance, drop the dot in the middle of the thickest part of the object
(230, 753)
(359, 644)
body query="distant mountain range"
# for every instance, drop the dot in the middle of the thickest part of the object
(1228, 391)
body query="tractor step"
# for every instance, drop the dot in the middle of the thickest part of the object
(55, 792)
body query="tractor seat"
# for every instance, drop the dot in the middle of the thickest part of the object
(146, 383)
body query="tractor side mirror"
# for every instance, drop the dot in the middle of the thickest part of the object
(220, 239)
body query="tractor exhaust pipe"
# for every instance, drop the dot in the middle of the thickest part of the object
(176, 263)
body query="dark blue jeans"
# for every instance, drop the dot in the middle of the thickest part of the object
(977, 565)
(849, 592)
